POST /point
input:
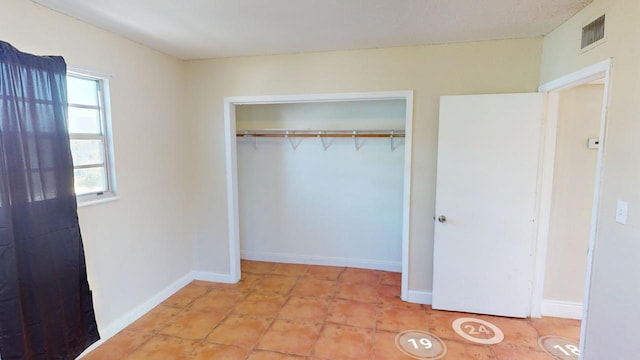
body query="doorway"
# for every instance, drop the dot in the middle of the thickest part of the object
(599, 73)
(577, 142)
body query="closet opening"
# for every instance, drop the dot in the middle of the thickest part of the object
(322, 179)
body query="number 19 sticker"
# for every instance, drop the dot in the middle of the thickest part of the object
(421, 345)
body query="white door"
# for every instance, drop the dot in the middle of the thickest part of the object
(488, 155)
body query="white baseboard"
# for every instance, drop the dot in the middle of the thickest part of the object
(395, 266)
(116, 326)
(419, 297)
(562, 309)
(211, 276)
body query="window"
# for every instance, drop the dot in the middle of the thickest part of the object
(89, 133)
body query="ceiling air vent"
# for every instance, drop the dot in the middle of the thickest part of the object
(593, 32)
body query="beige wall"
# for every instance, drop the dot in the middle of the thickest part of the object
(611, 330)
(579, 114)
(469, 68)
(138, 245)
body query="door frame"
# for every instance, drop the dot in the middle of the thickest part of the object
(232, 166)
(601, 70)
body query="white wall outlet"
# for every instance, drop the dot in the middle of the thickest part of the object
(593, 143)
(621, 212)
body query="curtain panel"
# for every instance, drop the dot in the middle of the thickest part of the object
(46, 307)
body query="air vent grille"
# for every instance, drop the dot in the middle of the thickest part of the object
(593, 32)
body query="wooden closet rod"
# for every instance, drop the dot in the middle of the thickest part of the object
(322, 133)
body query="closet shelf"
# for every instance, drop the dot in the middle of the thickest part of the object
(321, 133)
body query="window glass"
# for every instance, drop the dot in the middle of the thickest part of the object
(88, 135)
(90, 180)
(84, 121)
(87, 152)
(81, 91)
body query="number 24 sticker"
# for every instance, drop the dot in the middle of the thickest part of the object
(481, 330)
(478, 331)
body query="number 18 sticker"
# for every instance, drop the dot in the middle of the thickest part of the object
(559, 347)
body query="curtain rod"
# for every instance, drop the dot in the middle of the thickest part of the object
(322, 133)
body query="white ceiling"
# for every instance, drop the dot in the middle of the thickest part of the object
(197, 29)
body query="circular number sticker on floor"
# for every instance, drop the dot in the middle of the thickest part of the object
(421, 345)
(478, 331)
(559, 347)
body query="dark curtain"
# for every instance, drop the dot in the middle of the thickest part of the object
(46, 309)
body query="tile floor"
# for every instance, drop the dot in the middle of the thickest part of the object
(287, 311)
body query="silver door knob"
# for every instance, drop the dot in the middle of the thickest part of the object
(442, 219)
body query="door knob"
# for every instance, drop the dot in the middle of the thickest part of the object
(442, 219)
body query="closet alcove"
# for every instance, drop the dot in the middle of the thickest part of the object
(322, 181)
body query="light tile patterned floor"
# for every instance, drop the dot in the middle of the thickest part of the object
(286, 312)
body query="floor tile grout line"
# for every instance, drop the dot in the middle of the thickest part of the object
(202, 341)
(300, 279)
(325, 320)
(137, 347)
(287, 297)
(165, 324)
(375, 323)
(227, 315)
(271, 322)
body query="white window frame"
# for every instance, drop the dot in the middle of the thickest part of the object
(104, 107)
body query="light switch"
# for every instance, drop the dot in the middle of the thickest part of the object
(621, 212)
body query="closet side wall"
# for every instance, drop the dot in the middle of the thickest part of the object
(338, 206)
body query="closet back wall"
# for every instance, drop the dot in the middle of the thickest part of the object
(338, 206)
